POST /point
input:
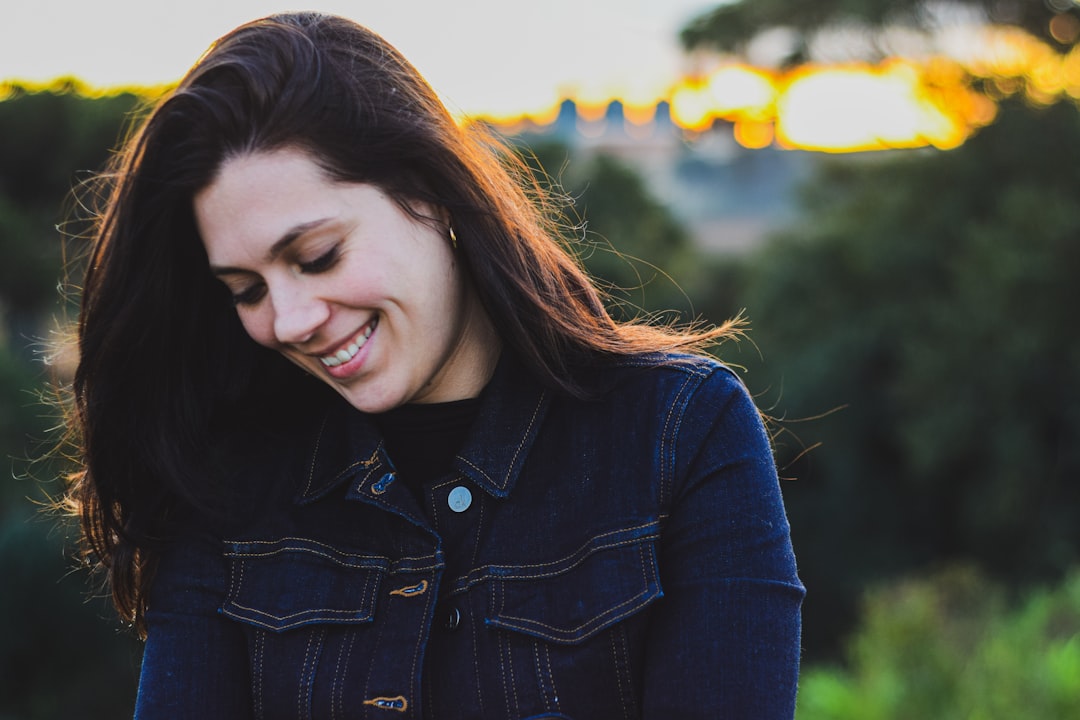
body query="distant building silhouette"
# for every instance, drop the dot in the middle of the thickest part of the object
(729, 197)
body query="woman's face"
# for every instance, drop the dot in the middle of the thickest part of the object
(338, 278)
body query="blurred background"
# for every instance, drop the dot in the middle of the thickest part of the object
(888, 189)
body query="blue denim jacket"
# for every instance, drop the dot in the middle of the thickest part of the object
(625, 556)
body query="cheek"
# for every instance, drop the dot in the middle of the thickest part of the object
(259, 325)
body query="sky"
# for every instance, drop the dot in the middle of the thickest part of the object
(499, 57)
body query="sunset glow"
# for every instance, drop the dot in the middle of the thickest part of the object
(837, 108)
(898, 103)
(861, 108)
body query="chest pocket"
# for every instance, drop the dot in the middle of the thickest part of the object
(572, 599)
(283, 584)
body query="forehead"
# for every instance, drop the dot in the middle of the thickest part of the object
(255, 198)
(263, 180)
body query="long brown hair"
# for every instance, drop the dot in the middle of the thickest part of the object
(164, 365)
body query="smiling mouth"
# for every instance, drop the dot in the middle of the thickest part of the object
(348, 352)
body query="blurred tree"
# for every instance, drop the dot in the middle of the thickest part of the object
(933, 294)
(62, 654)
(47, 140)
(58, 655)
(928, 293)
(629, 241)
(21, 423)
(953, 647)
(732, 25)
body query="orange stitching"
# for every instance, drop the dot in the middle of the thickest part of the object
(309, 551)
(303, 669)
(501, 637)
(476, 660)
(665, 450)
(417, 652)
(481, 574)
(618, 674)
(551, 676)
(337, 686)
(607, 617)
(306, 611)
(238, 553)
(477, 468)
(509, 662)
(536, 411)
(513, 680)
(540, 675)
(506, 478)
(260, 647)
(620, 611)
(315, 455)
(629, 704)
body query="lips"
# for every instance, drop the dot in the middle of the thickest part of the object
(348, 352)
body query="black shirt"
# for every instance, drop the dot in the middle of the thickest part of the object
(422, 439)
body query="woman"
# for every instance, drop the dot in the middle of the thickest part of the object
(470, 493)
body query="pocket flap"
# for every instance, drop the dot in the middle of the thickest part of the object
(571, 600)
(282, 584)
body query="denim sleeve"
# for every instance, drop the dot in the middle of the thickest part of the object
(195, 663)
(724, 641)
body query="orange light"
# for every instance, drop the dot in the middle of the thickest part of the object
(690, 107)
(1070, 70)
(740, 90)
(857, 107)
(754, 135)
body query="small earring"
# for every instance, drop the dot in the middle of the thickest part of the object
(453, 238)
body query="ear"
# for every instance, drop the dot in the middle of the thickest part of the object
(442, 214)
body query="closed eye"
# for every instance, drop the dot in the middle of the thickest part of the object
(249, 295)
(322, 263)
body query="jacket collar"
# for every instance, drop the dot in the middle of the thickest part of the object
(512, 408)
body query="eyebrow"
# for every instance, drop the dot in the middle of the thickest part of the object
(280, 245)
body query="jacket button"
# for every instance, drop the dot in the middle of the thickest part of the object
(459, 499)
(453, 618)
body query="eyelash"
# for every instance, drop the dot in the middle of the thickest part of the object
(250, 296)
(321, 264)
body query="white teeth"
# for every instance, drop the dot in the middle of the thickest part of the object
(348, 352)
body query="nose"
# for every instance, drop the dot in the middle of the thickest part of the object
(297, 315)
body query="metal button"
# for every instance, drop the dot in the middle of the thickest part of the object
(460, 499)
(453, 618)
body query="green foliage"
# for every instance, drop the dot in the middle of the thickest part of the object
(932, 295)
(951, 647)
(47, 138)
(60, 655)
(49, 141)
(626, 238)
(22, 428)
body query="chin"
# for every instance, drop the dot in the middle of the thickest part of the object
(366, 403)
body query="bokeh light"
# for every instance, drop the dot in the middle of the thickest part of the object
(897, 103)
